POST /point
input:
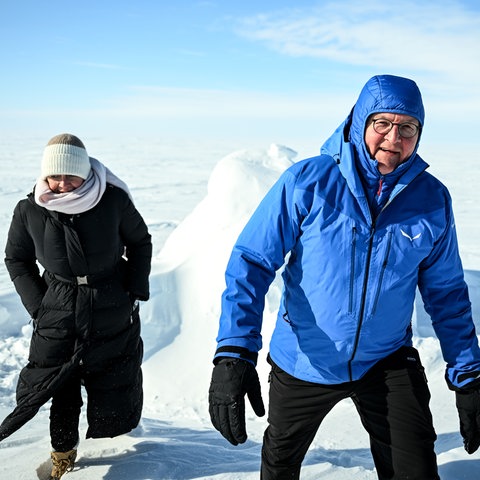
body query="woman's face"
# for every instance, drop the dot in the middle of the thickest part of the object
(390, 149)
(63, 183)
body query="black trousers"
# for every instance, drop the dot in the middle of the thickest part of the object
(65, 415)
(392, 400)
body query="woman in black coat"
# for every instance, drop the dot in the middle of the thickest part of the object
(94, 250)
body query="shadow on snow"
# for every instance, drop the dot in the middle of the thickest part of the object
(173, 453)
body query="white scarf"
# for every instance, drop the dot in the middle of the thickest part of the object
(83, 198)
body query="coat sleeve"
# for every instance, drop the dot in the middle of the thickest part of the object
(446, 300)
(138, 251)
(258, 253)
(21, 263)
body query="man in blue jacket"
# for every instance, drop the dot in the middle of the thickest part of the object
(363, 225)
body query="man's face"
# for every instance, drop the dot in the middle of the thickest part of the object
(391, 147)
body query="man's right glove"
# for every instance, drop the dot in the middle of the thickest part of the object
(468, 405)
(232, 378)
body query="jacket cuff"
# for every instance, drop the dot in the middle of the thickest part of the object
(468, 387)
(235, 352)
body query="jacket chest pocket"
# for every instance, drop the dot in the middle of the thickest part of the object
(410, 245)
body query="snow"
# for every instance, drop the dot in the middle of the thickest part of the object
(195, 199)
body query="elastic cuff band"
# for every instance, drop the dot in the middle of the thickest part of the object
(237, 352)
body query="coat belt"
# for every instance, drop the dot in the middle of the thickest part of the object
(83, 279)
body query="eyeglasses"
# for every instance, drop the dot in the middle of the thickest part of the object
(406, 130)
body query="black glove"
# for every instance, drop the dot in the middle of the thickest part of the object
(468, 405)
(232, 378)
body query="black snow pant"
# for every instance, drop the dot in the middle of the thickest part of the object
(392, 400)
(65, 415)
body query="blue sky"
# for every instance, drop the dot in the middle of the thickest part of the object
(275, 70)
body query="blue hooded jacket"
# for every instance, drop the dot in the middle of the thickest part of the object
(351, 275)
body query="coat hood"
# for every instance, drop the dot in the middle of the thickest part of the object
(382, 93)
(385, 93)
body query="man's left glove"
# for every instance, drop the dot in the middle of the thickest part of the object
(232, 378)
(468, 405)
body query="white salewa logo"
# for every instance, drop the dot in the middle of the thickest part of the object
(409, 237)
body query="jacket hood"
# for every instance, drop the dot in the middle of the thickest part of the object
(385, 93)
(382, 93)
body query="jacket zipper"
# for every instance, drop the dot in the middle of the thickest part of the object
(352, 269)
(362, 304)
(365, 282)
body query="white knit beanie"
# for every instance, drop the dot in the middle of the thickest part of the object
(65, 154)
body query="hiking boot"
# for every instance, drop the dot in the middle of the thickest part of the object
(62, 462)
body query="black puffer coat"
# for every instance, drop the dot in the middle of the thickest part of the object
(94, 264)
